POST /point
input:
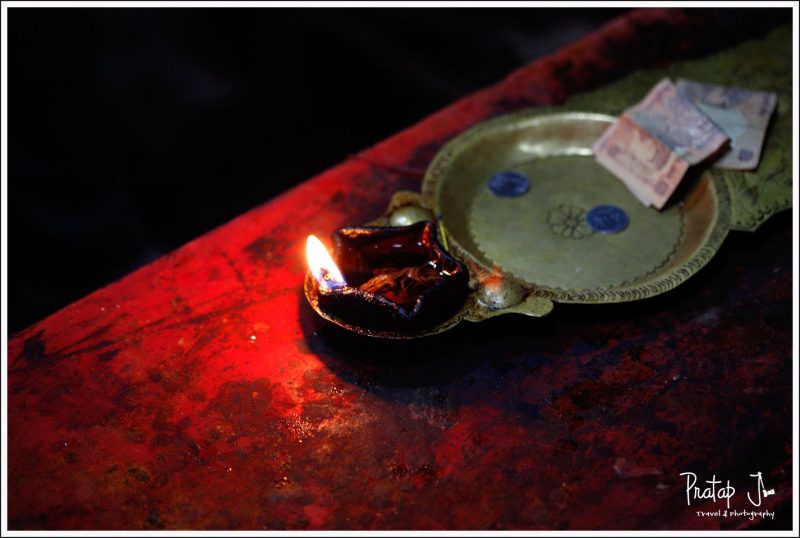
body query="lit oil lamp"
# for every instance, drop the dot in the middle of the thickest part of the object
(394, 282)
(322, 266)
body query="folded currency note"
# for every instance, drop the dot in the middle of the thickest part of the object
(742, 114)
(652, 145)
(649, 169)
(675, 126)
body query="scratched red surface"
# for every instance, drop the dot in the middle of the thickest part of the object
(202, 392)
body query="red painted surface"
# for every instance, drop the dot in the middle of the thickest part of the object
(203, 392)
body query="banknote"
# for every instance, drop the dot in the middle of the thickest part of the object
(654, 143)
(650, 169)
(675, 121)
(742, 114)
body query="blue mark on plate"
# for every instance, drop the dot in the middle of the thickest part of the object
(509, 184)
(607, 219)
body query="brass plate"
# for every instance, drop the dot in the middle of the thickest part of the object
(540, 239)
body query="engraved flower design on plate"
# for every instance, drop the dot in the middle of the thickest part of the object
(568, 221)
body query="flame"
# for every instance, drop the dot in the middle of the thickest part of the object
(322, 265)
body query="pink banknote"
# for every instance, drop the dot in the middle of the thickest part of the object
(676, 122)
(649, 169)
(652, 145)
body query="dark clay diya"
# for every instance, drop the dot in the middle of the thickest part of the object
(398, 281)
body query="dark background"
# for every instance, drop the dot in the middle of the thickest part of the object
(132, 131)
